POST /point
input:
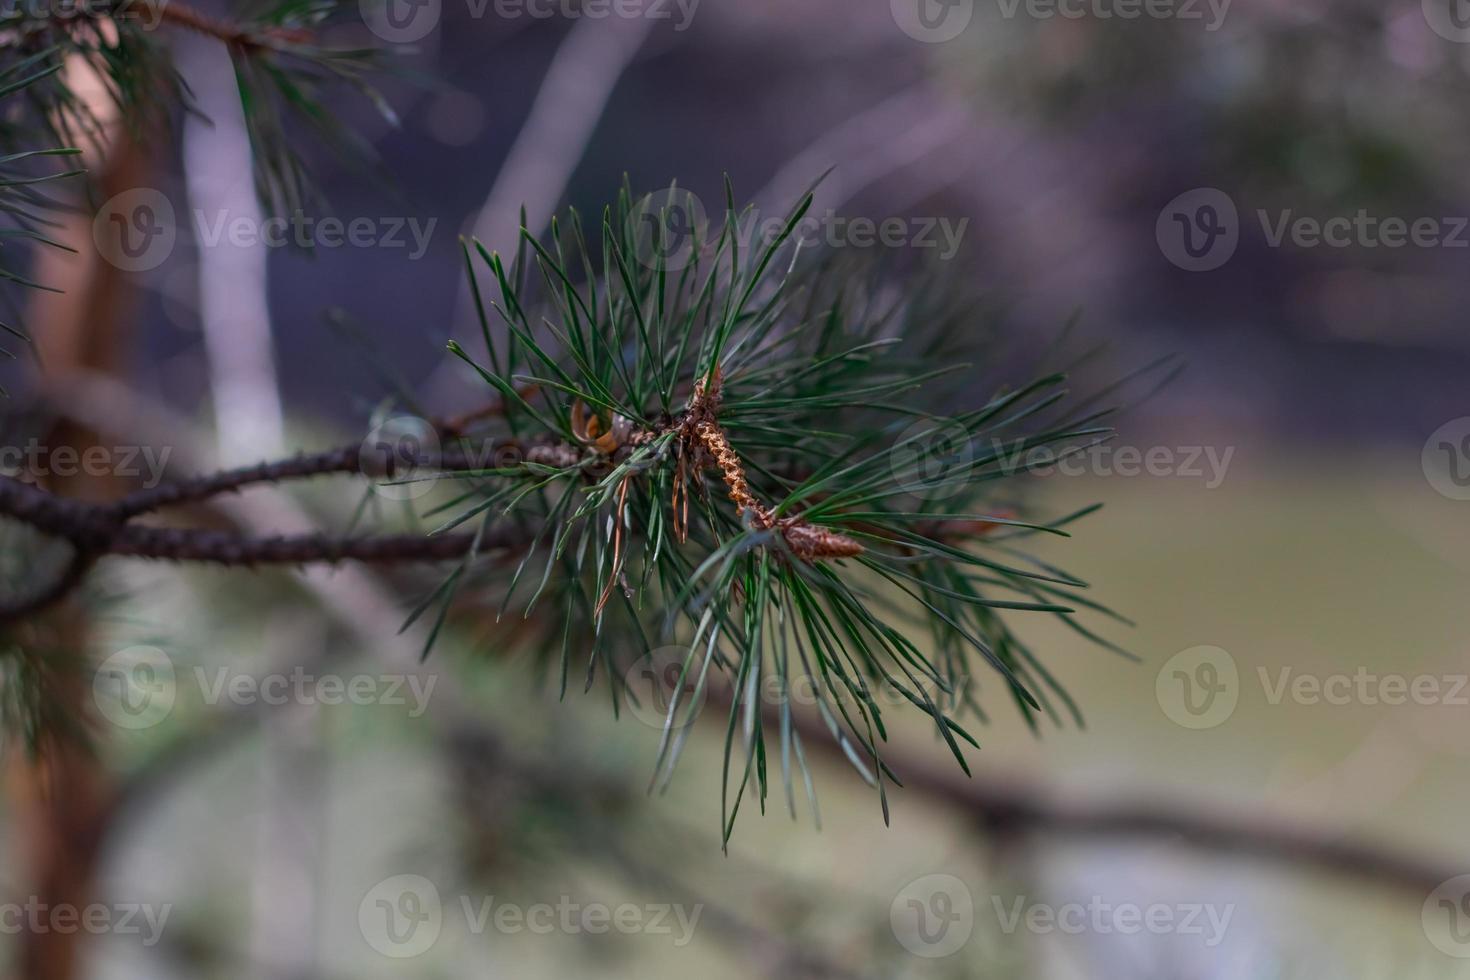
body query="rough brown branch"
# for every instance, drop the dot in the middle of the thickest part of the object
(702, 430)
(342, 460)
(96, 530)
(224, 548)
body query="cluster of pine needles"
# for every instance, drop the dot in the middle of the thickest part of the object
(758, 455)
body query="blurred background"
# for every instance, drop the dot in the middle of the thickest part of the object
(1274, 191)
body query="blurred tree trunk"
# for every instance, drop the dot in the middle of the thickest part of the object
(61, 797)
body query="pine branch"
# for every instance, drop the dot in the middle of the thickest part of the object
(214, 547)
(737, 453)
(97, 530)
(284, 71)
